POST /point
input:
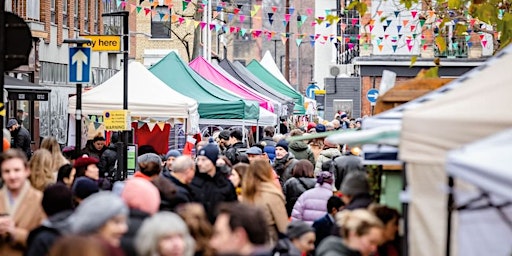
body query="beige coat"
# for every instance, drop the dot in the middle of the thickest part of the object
(27, 214)
(272, 201)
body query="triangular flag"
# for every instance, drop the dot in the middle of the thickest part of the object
(455, 46)
(256, 33)
(412, 28)
(140, 124)
(319, 20)
(291, 10)
(298, 41)
(2, 109)
(232, 29)
(484, 43)
(287, 17)
(339, 38)
(482, 37)
(309, 11)
(325, 38)
(380, 47)
(379, 12)
(350, 46)
(161, 16)
(312, 43)
(243, 31)
(394, 48)
(196, 23)
(284, 39)
(327, 12)
(96, 125)
(423, 41)
(219, 8)
(413, 13)
(257, 7)
(371, 28)
(386, 36)
(151, 126)
(242, 18)
(398, 28)
(174, 18)
(132, 8)
(397, 13)
(236, 11)
(184, 5)
(472, 22)
(212, 26)
(203, 24)
(215, 14)
(161, 125)
(285, 23)
(409, 47)
(422, 23)
(217, 27)
(253, 12)
(181, 20)
(405, 22)
(123, 5)
(147, 10)
(408, 41)
(467, 38)
(274, 8)
(327, 24)
(414, 36)
(388, 22)
(385, 27)
(425, 47)
(139, 8)
(343, 26)
(470, 44)
(230, 16)
(355, 21)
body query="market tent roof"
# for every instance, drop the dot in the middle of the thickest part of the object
(214, 103)
(209, 72)
(486, 165)
(266, 118)
(258, 70)
(478, 107)
(270, 64)
(148, 96)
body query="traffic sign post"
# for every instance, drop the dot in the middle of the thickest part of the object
(372, 96)
(310, 91)
(79, 64)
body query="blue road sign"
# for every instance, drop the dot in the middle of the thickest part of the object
(310, 91)
(372, 95)
(79, 67)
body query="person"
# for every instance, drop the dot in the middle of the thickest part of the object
(336, 124)
(224, 165)
(108, 160)
(149, 166)
(51, 144)
(70, 154)
(199, 227)
(20, 203)
(299, 148)
(164, 234)
(237, 177)
(302, 180)
(329, 152)
(170, 156)
(85, 166)
(143, 200)
(20, 117)
(311, 204)
(390, 244)
(103, 215)
(66, 175)
(82, 188)
(235, 145)
(223, 140)
(182, 175)
(78, 246)
(299, 240)
(258, 189)
(325, 225)
(40, 165)
(268, 143)
(95, 147)
(240, 229)
(356, 191)
(209, 186)
(254, 153)
(58, 205)
(284, 163)
(361, 233)
(344, 165)
(20, 137)
(283, 125)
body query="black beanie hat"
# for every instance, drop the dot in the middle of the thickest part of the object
(283, 144)
(57, 198)
(211, 151)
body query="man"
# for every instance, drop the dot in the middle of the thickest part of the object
(324, 226)
(268, 143)
(254, 153)
(181, 175)
(240, 229)
(20, 137)
(284, 163)
(108, 160)
(233, 152)
(20, 203)
(344, 165)
(223, 140)
(209, 186)
(356, 191)
(170, 157)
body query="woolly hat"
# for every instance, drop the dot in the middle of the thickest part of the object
(211, 151)
(320, 128)
(85, 161)
(57, 198)
(142, 195)
(283, 144)
(149, 157)
(173, 153)
(311, 125)
(328, 144)
(298, 228)
(343, 115)
(95, 211)
(324, 177)
(355, 183)
(11, 122)
(83, 187)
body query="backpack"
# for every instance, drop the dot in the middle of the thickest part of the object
(234, 155)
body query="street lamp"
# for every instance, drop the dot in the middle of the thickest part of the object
(122, 164)
(78, 109)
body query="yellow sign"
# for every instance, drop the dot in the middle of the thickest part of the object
(319, 92)
(104, 43)
(117, 120)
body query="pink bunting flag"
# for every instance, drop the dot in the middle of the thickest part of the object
(123, 5)
(484, 43)
(202, 24)
(313, 23)
(212, 26)
(472, 22)
(355, 21)
(412, 28)
(256, 33)
(309, 11)
(181, 20)
(379, 12)
(132, 8)
(232, 29)
(274, 8)
(343, 26)
(414, 13)
(325, 38)
(350, 46)
(287, 17)
(409, 47)
(242, 18)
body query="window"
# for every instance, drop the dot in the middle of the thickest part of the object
(86, 15)
(75, 15)
(52, 10)
(32, 9)
(96, 16)
(161, 28)
(53, 73)
(65, 13)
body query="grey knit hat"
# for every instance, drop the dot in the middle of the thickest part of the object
(149, 157)
(298, 228)
(355, 183)
(95, 211)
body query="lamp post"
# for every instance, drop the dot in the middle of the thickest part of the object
(122, 164)
(78, 109)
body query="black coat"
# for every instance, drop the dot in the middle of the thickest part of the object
(210, 191)
(183, 194)
(135, 220)
(343, 165)
(333, 246)
(41, 239)
(293, 188)
(323, 228)
(107, 162)
(21, 140)
(284, 167)
(360, 201)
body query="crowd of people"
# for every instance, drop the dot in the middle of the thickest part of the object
(273, 198)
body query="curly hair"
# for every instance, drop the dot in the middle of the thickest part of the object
(41, 174)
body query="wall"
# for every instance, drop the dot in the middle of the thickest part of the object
(347, 89)
(325, 54)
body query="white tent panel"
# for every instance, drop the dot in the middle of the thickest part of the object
(270, 65)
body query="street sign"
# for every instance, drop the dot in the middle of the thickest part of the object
(117, 120)
(102, 43)
(372, 95)
(310, 90)
(79, 64)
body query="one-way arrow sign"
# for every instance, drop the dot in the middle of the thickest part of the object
(372, 95)
(79, 64)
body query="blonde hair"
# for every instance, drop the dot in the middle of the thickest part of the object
(58, 159)
(358, 221)
(259, 171)
(199, 226)
(41, 174)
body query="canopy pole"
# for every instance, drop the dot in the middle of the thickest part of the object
(257, 131)
(405, 213)
(450, 212)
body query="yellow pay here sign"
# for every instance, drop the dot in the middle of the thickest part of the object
(117, 120)
(102, 43)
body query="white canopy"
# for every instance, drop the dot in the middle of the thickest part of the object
(270, 65)
(148, 96)
(477, 108)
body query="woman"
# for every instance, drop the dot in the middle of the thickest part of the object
(95, 147)
(103, 215)
(58, 159)
(311, 204)
(66, 175)
(258, 189)
(200, 228)
(41, 173)
(389, 218)
(78, 246)
(87, 166)
(164, 234)
(361, 233)
(301, 181)
(237, 176)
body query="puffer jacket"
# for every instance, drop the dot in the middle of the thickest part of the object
(107, 162)
(325, 155)
(312, 204)
(284, 166)
(293, 188)
(301, 151)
